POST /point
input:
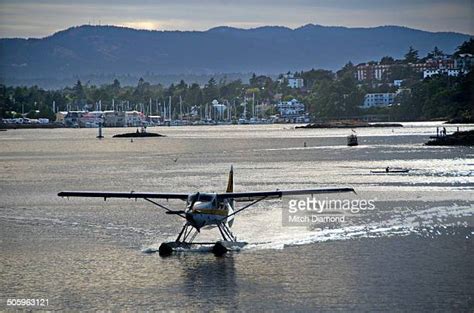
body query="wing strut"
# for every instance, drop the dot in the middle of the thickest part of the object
(245, 207)
(169, 211)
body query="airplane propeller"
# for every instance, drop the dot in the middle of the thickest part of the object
(189, 215)
(194, 201)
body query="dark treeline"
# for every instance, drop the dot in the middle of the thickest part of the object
(326, 94)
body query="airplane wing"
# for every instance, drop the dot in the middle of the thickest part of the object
(260, 195)
(127, 195)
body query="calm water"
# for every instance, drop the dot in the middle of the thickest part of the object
(413, 252)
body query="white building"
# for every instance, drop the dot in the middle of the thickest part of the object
(135, 118)
(378, 100)
(295, 82)
(449, 72)
(398, 82)
(91, 119)
(114, 118)
(219, 108)
(290, 109)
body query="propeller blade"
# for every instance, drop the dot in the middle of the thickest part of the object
(194, 201)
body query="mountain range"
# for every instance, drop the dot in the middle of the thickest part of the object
(104, 52)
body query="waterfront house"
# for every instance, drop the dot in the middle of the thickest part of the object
(378, 100)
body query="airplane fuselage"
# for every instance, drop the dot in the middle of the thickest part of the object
(204, 209)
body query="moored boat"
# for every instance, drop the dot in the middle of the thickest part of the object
(352, 140)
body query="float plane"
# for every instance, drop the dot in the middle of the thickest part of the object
(206, 210)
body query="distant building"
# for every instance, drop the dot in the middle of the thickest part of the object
(376, 71)
(363, 72)
(72, 118)
(378, 100)
(154, 119)
(295, 82)
(449, 72)
(134, 118)
(398, 82)
(440, 62)
(371, 71)
(91, 119)
(418, 67)
(218, 108)
(290, 109)
(114, 119)
(292, 81)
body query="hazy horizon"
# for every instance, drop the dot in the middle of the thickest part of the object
(30, 19)
(217, 26)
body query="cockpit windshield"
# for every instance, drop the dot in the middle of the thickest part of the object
(205, 198)
(201, 197)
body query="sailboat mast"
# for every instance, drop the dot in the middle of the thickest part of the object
(169, 109)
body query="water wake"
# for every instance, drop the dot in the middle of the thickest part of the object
(429, 222)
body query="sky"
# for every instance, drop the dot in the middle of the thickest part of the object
(40, 18)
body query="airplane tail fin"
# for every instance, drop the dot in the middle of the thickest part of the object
(230, 182)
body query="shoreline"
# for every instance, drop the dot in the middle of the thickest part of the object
(348, 125)
(328, 125)
(30, 126)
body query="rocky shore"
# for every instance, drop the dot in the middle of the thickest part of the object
(465, 138)
(348, 124)
(137, 135)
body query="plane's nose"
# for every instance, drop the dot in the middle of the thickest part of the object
(192, 221)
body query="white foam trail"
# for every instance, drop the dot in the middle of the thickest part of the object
(400, 222)
(420, 222)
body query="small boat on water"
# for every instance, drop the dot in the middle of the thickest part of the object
(391, 170)
(352, 140)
